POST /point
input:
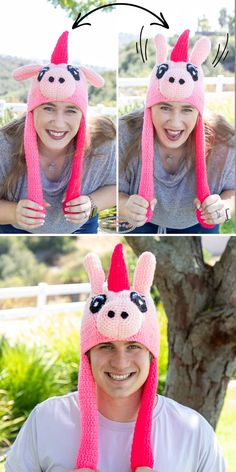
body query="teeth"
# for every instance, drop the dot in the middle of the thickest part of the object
(119, 377)
(173, 133)
(57, 134)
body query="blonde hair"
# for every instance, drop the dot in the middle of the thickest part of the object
(99, 130)
(217, 131)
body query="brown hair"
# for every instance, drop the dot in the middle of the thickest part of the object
(99, 130)
(217, 131)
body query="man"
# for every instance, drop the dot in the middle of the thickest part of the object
(119, 423)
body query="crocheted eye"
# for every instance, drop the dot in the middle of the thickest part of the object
(97, 303)
(41, 73)
(162, 68)
(193, 71)
(73, 71)
(139, 301)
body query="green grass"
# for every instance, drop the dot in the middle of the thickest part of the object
(228, 228)
(226, 429)
(223, 104)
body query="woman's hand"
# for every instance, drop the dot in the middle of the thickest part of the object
(29, 215)
(212, 209)
(78, 211)
(136, 209)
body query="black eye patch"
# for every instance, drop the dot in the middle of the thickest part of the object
(193, 71)
(73, 71)
(42, 72)
(139, 301)
(97, 302)
(161, 69)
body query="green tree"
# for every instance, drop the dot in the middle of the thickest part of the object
(17, 263)
(223, 18)
(200, 304)
(72, 7)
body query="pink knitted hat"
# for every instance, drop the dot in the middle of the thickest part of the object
(118, 313)
(56, 82)
(178, 80)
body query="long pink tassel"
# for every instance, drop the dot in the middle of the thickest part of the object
(73, 190)
(88, 450)
(202, 186)
(146, 186)
(141, 453)
(35, 192)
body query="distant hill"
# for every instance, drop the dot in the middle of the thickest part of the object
(10, 89)
(125, 38)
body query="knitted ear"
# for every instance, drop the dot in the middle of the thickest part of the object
(161, 48)
(95, 272)
(144, 272)
(200, 51)
(25, 72)
(95, 79)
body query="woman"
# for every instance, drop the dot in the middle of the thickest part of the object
(164, 175)
(56, 172)
(117, 422)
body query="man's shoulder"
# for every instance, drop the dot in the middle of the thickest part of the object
(183, 415)
(53, 405)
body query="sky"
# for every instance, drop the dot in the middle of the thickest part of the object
(30, 28)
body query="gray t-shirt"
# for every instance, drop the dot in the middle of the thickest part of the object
(175, 193)
(99, 170)
(182, 440)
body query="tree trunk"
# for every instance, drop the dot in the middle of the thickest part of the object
(200, 303)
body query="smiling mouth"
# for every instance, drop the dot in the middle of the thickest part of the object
(57, 135)
(173, 135)
(120, 377)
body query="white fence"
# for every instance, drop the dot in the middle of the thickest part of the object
(19, 108)
(41, 292)
(128, 94)
(219, 81)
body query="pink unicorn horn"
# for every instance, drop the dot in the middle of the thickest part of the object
(180, 50)
(60, 53)
(118, 276)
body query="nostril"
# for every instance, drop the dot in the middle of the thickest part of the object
(51, 79)
(171, 79)
(181, 81)
(124, 315)
(61, 80)
(111, 314)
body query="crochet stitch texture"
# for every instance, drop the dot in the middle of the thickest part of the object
(56, 82)
(139, 325)
(179, 79)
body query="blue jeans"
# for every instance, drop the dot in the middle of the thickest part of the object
(151, 228)
(90, 227)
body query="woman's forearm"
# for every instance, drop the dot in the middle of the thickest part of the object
(104, 197)
(7, 212)
(123, 198)
(228, 196)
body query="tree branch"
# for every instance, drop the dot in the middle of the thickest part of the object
(182, 277)
(224, 281)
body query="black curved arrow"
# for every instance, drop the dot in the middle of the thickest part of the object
(218, 50)
(162, 22)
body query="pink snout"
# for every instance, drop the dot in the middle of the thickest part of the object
(119, 323)
(176, 84)
(57, 83)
